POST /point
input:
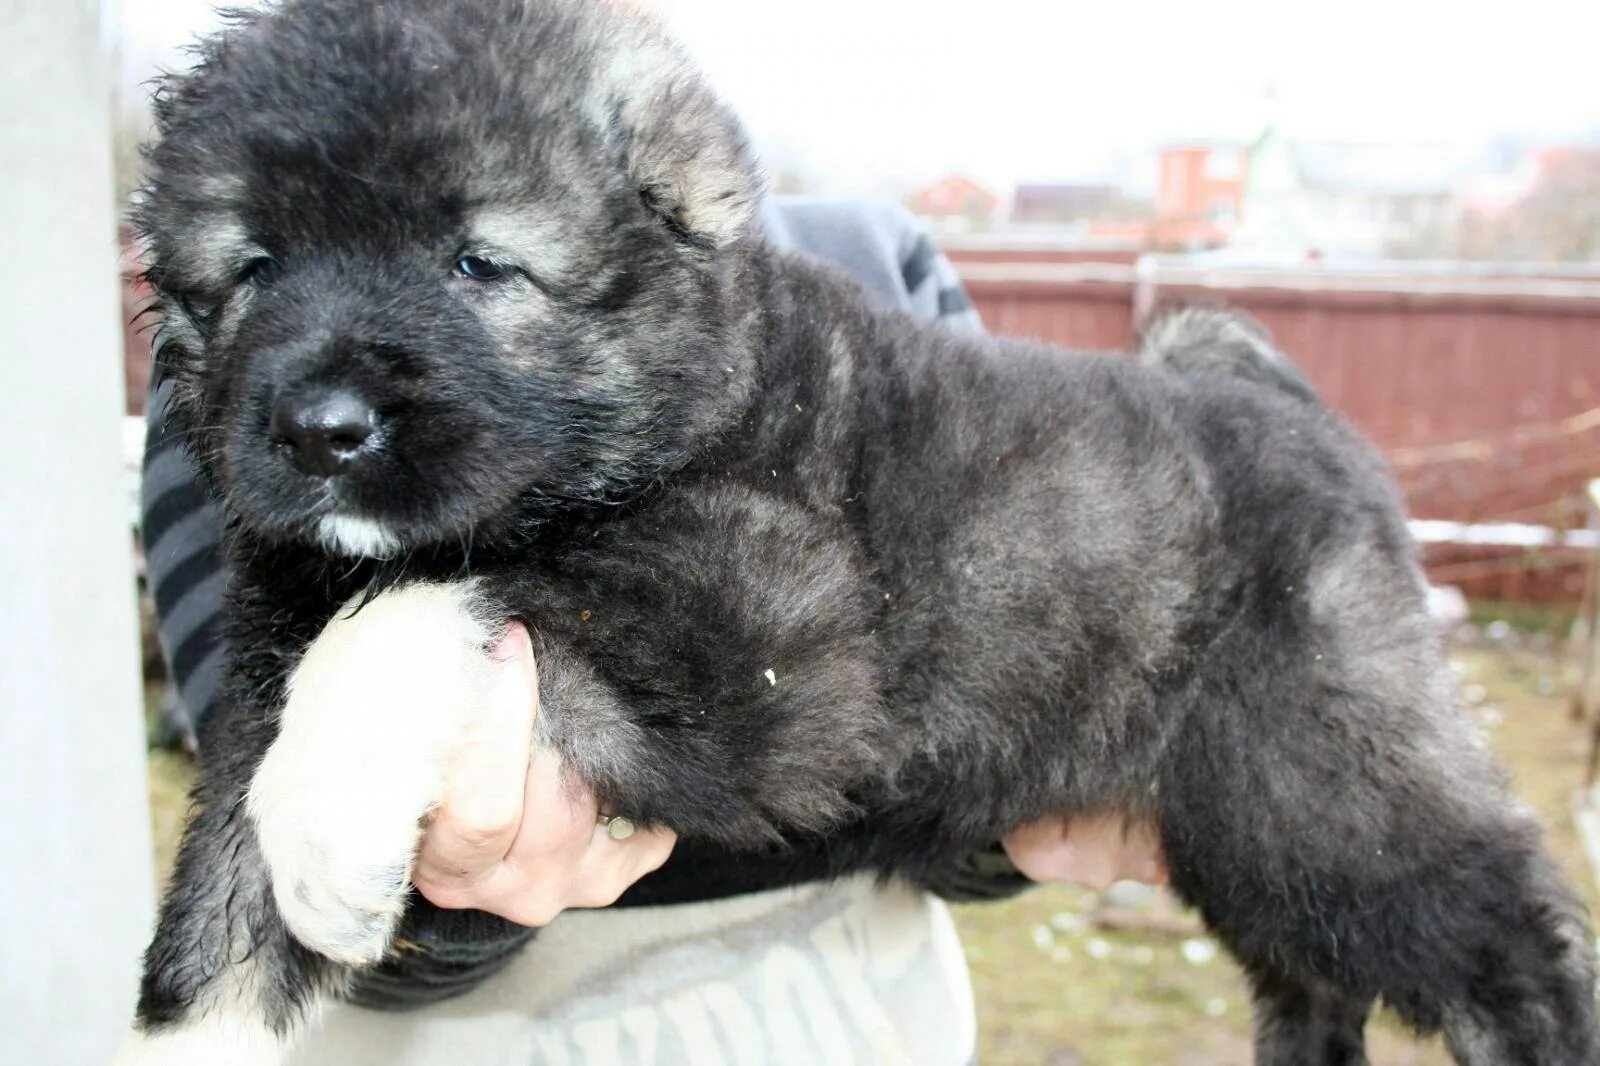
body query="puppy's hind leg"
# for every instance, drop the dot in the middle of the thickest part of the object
(1307, 1025)
(1526, 967)
(1372, 856)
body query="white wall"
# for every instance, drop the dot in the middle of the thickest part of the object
(75, 870)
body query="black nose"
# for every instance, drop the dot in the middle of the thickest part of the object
(327, 430)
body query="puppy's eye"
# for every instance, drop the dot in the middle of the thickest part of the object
(198, 311)
(261, 271)
(478, 268)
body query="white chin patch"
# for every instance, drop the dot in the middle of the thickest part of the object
(360, 537)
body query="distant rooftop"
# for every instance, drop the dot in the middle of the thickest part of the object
(1391, 169)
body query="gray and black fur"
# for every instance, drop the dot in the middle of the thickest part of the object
(993, 581)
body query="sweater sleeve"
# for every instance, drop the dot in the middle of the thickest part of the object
(181, 531)
(881, 246)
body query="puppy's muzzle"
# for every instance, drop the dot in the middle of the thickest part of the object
(326, 431)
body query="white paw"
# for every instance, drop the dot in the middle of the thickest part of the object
(332, 901)
(209, 1040)
(374, 709)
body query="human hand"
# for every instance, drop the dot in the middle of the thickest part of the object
(513, 836)
(1094, 850)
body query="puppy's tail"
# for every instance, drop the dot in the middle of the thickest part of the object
(1211, 340)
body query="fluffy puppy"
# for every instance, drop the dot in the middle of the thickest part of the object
(469, 323)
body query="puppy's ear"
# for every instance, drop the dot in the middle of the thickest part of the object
(684, 150)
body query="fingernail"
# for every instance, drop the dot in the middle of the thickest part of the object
(510, 643)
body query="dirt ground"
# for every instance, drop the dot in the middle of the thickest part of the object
(1065, 978)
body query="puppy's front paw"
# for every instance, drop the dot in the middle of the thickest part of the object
(214, 1037)
(339, 872)
(374, 709)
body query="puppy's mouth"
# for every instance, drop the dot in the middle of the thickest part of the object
(358, 537)
(324, 465)
(353, 516)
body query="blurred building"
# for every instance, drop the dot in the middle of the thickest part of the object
(1091, 211)
(1199, 194)
(954, 202)
(1061, 202)
(1519, 173)
(1306, 200)
(1541, 203)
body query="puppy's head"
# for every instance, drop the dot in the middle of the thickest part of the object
(429, 266)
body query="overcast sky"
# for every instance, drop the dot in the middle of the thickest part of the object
(865, 95)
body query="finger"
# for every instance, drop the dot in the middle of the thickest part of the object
(1145, 859)
(1102, 847)
(1033, 848)
(1100, 850)
(614, 866)
(486, 780)
(1090, 852)
(531, 881)
(534, 895)
(559, 813)
(1094, 850)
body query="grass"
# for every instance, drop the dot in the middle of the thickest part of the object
(1054, 987)
(1553, 619)
(171, 774)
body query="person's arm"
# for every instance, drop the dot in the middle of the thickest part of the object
(879, 245)
(181, 531)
